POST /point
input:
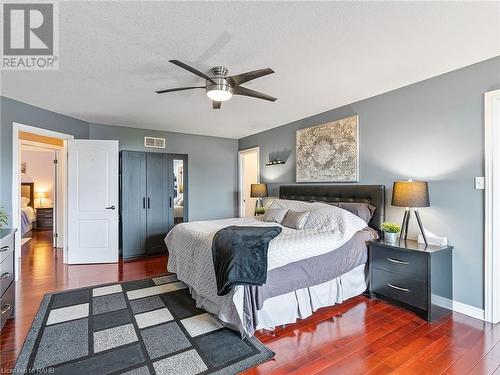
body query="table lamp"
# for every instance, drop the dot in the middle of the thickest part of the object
(258, 191)
(40, 195)
(411, 194)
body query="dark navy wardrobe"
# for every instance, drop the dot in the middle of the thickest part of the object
(146, 196)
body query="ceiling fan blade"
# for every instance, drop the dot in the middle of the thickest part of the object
(238, 90)
(248, 76)
(191, 69)
(216, 105)
(180, 89)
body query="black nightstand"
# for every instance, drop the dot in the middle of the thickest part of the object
(412, 276)
(44, 218)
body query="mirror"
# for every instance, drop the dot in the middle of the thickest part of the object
(178, 179)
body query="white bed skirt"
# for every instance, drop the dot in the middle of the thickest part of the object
(287, 308)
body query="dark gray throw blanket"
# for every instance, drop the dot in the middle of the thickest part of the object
(240, 256)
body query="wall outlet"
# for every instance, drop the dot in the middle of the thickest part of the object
(479, 183)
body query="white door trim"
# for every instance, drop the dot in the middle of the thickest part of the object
(492, 208)
(240, 176)
(16, 182)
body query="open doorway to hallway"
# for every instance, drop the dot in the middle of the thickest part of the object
(41, 206)
(249, 173)
(48, 206)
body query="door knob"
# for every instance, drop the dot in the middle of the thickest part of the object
(110, 208)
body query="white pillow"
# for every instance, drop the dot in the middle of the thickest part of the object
(177, 199)
(24, 202)
(181, 201)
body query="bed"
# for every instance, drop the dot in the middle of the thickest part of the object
(307, 269)
(28, 216)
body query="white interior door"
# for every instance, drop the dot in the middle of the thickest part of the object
(92, 201)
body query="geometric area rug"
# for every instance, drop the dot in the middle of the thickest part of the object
(141, 327)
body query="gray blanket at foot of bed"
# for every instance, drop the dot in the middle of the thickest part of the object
(240, 256)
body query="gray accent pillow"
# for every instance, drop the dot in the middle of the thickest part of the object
(275, 215)
(295, 219)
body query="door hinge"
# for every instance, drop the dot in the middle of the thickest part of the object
(55, 161)
(56, 235)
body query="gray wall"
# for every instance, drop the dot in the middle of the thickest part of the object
(212, 164)
(431, 130)
(14, 111)
(212, 160)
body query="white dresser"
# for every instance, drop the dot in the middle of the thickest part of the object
(7, 277)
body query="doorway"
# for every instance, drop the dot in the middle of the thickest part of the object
(492, 207)
(249, 173)
(39, 187)
(42, 136)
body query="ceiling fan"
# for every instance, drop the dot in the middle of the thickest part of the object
(220, 87)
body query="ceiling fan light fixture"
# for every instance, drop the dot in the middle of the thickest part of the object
(219, 95)
(221, 91)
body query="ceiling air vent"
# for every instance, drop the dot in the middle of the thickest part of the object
(153, 142)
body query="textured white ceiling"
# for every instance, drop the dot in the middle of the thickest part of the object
(113, 55)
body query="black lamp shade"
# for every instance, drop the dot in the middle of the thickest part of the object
(258, 190)
(410, 194)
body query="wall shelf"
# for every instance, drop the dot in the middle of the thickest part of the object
(275, 162)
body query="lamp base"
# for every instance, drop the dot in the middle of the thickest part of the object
(406, 224)
(258, 207)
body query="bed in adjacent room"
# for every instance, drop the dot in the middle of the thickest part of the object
(28, 215)
(320, 265)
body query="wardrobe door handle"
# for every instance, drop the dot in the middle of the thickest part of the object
(149, 203)
(398, 288)
(4, 275)
(170, 202)
(4, 248)
(143, 202)
(5, 308)
(110, 208)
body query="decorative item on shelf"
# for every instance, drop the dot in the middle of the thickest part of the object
(4, 219)
(275, 162)
(40, 195)
(390, 230)
(411, 194)
(258, 191)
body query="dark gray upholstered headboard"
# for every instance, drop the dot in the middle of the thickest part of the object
(373, 194)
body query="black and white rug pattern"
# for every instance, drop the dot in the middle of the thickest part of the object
(141, 327)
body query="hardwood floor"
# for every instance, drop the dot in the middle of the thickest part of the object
(361, 336)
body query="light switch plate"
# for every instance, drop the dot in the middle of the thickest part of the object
(479, 183)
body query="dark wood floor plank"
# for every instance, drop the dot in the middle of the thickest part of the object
(473, 347)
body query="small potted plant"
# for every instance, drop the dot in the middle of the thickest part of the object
(3, 217)
(390, 231)
(260, 211)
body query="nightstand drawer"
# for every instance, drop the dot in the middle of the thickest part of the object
(408, 264)
(399, 288)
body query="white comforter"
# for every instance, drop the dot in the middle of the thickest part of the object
(30, 212)
(190, 253)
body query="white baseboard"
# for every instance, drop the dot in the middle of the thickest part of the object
(469, 310)
(459, 307)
